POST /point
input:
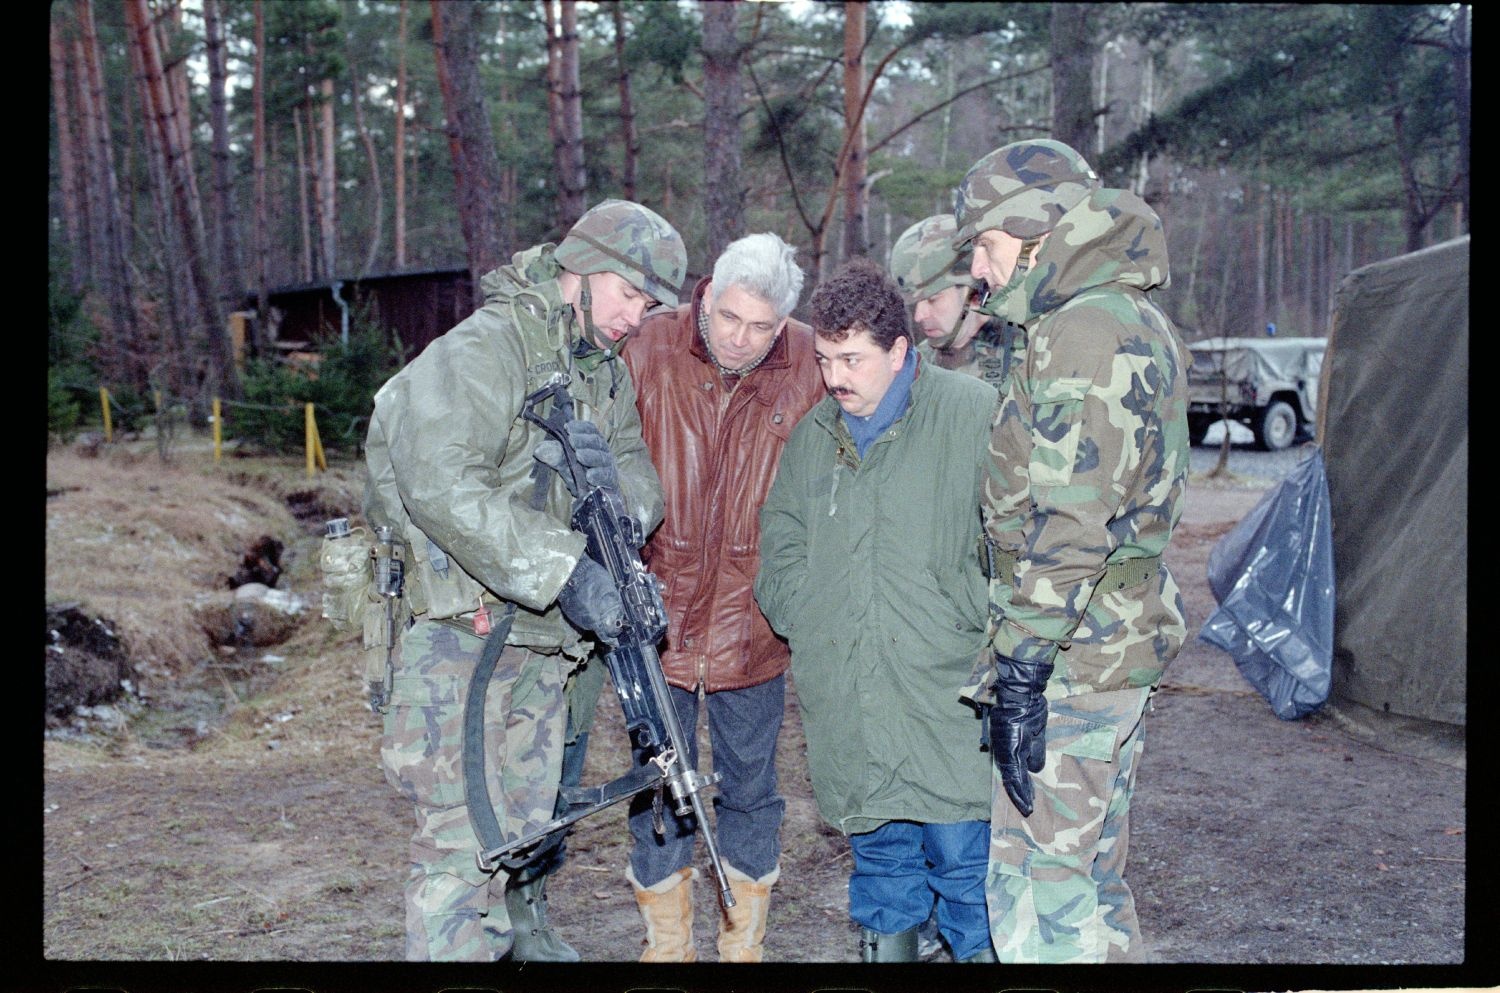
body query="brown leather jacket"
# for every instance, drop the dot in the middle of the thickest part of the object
(716, 445)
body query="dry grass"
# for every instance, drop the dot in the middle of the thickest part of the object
(150, 546)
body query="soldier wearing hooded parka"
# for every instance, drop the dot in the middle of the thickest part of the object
(454, 469)
(1088, 467)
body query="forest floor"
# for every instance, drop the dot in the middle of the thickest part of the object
(237, 817)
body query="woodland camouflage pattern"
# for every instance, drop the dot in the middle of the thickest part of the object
(923, 260)
(450, 464)
(1090, 454)
(631, 241)
(989, 356)
(455, 911)
(1089, 463)
(1023, 189)
(1055, 885)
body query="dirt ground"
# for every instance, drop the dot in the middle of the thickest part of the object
(238, 819)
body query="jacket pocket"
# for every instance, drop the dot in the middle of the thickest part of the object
(1056, 429)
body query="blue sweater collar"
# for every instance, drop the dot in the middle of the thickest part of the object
(864, 430)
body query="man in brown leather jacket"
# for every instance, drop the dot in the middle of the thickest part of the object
(720, 382)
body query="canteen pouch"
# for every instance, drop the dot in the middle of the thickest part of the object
(348, 580)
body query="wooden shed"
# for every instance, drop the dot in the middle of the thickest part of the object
(415, 306)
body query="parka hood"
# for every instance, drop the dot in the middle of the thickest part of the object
(526, 270)
(1112, 237)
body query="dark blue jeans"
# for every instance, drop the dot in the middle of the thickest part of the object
(901, 864)
(743, 726)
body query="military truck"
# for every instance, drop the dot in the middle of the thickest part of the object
(1269, 384)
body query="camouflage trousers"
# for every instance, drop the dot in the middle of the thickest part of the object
(1055, 886)
(455, 911)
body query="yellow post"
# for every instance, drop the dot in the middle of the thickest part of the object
(104, 403)
(218, 430)
(157, 395)
(317, 439)
(307, 435)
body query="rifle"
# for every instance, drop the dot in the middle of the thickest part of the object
(614, 538)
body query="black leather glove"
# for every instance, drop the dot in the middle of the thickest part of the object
(592, 602)
(1018, 726)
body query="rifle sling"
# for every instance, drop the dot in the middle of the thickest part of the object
(476, 785)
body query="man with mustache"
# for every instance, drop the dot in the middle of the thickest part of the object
(494, 563)
(870, 569)
(720, 382)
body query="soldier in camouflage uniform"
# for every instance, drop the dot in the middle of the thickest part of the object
(457, 472)
(935, 281)
(1089, 466)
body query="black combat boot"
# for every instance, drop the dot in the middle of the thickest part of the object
(898, 947)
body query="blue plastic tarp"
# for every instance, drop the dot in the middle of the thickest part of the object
(1273, 579)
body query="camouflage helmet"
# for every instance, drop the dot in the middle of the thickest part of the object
(633, 242)
(923, 260)
(1023, 189)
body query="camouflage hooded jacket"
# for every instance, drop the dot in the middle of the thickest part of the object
(450, 457)
(1089, 458)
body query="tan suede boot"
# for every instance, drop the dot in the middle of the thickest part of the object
(667, 908)
(742, 927)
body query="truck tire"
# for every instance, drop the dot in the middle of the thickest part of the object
(1198, 425)
(1276, 428)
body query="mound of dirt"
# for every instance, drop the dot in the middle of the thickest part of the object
(86, 664)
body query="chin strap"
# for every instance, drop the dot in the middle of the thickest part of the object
(1008, 302)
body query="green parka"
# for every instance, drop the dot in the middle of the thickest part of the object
(450, 457)
(870, 570)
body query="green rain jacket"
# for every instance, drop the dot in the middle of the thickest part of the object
(1090, 455)
(450, 458)
(870, 570)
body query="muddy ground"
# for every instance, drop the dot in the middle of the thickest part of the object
(234, 831)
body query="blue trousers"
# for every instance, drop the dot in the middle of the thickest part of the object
(743, 726)
(901, 864)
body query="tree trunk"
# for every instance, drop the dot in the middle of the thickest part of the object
(1413, 216)
(262, 223)
(723, 94)
(327, 184)
(574, 178)
(67, 159)
(508, 170)
(1101, 102)
(1461, 99)
(220, 374)
(399, 177)
(628, 139)
(856, 234)
(1308, 310)
(1072, 75)
(116, 276)
(470, 139)
(226, 236)
(303, 208)
(377, 197)
(1260, 260)
(554, 100)
(1147, 107)
(1278, 258)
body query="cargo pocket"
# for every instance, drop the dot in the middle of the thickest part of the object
(1056, 428)
(421, 750)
